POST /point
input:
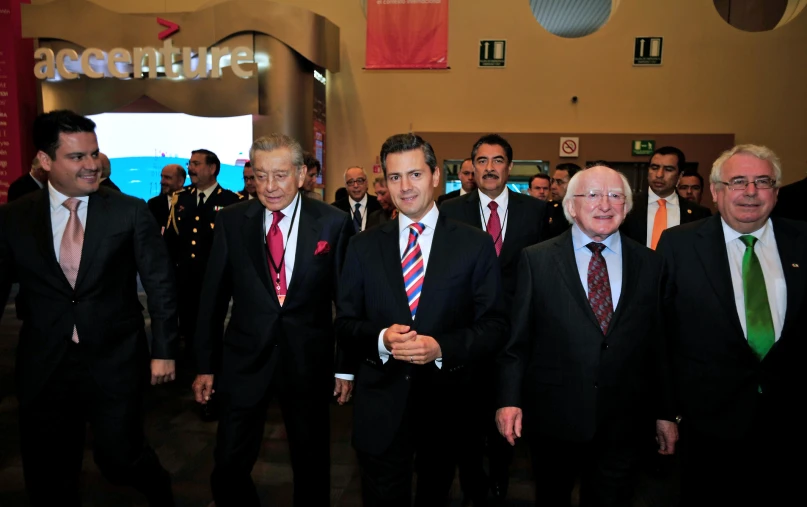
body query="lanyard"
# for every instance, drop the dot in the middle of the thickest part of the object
(277, 267)
(485, 222)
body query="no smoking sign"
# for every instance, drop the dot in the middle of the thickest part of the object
(569, 147)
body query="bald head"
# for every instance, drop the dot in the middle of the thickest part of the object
(356, 183)
(105, 165)
(597, 200)
(172, 178)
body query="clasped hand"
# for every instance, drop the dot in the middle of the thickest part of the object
(406, 345)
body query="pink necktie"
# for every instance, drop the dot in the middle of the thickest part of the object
(70, 250)
(274, 238)
(495, 227)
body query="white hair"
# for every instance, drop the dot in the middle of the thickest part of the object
(355, 167)
(571, 190)
(755, 150)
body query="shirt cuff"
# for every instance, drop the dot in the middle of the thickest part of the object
(439, 363)
(383, 353)
(344, 376)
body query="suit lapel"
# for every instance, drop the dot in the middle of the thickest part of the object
(564, 257)
(94, 231)
(391, 259)
(791, 246)
(631, 269)
(472, 210)
(438, 264)
(515, 215)
(43, 230)
(711, 250)
(253, 234)
(641, 219)
(308, 233)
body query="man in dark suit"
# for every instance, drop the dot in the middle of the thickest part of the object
(278, 257)
(514, 222)
(588, 381)
(83, 356)
(690, 186)
(31, 181)
(106, 172)
(387, 211)
(358, 204)
(172, 177)
(467, 182)
(790, 203)
(736, 308)
(556, 218)
(419, 305)
(661, 208)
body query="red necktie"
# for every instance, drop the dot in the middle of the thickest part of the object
(412, 265)
(599, 287)
(495, 226)
(70, 249)
(274, 238)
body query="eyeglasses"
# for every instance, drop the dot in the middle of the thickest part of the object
(614, 198)
(357, 181)
(763, 183)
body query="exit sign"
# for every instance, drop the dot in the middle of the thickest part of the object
(492, 53)
(643, 147)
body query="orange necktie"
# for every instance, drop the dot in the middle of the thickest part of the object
(659, 223)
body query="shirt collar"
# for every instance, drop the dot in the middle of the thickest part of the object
(580, 240)
(764, 234)
(288, 211)
(208, 191)
(501, 200)
(57, 198)
(429, 220)
(671, 199)
(38, 183)
(363, 202)
(462, 191)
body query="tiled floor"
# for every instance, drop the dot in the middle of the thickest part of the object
(185, 446)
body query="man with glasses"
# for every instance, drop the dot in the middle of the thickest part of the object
(358, 204)
(690, 186)
(739, 371)
(584, 370)
(661, 208)
(556, 221)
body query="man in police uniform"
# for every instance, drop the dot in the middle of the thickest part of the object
(189, 233)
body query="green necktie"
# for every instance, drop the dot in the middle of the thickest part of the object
(759, 323)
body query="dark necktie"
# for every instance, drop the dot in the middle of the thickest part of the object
(201, 198)
(357, 217)
(495, 226)
(758, 319)
(599, 287)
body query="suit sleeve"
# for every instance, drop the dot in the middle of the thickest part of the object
(345, 363)
(6, 261)
(157, 277)
(489, 329)
(213, 303)
(355, 333)
(666, 398)
(512, 360)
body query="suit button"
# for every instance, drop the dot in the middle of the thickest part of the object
(604, 346)
(407, 377)
(197, 219)
(75, 301)
(194, 231)
(596, 385)
(193, 242)
(193, 256)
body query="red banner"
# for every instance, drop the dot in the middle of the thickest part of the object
(407, 34)
(17, 96)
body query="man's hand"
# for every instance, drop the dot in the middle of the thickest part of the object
(342, 390)
(666, 436)
(508, 420)
(203, 388)
(162, 371)
(397, 333)
(422, 350)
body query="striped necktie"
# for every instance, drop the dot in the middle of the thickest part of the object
(412, 264)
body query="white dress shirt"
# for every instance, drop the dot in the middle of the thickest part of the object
(59, 215)
(362, 210)
(425, 239)
(462, 192)
(208, 192)
(502, 200)
(769, 260)
(612, 253)
(673, 212)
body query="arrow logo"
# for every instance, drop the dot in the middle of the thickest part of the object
(172, 28)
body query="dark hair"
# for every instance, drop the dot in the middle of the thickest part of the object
(569, 167)
(248, 164)
(311, 162)
(341, 193)
(539, 176)
(496, 140)
(401, 143)
(48, 127)
(693, 173)
(210, 159)
(672, 150)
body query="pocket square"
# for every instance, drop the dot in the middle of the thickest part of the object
(322, 248)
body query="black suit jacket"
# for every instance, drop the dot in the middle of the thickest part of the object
(445, 197)
(159, 208)
(25, 184)
(262, 337)
(108, 183)
(635, 224)
(556, 222)
(717, 376)
(791, 202)
(121, 241)
(570, 379)
(460, 307)
(372, 205)
(378, 217)
(525, 226)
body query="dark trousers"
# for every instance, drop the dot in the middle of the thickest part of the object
(238, 443)
(605, 468)
(52, 430)
(427, 442)
(190, 280)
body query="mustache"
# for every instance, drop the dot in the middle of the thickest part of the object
(192, 173)
(490, 175)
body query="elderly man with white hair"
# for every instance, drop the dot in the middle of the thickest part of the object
(736, 318)
(358, 204)
(583, 373)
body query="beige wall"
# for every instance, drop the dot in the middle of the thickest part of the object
(715, 79)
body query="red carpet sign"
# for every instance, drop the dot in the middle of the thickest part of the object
(407, 34)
